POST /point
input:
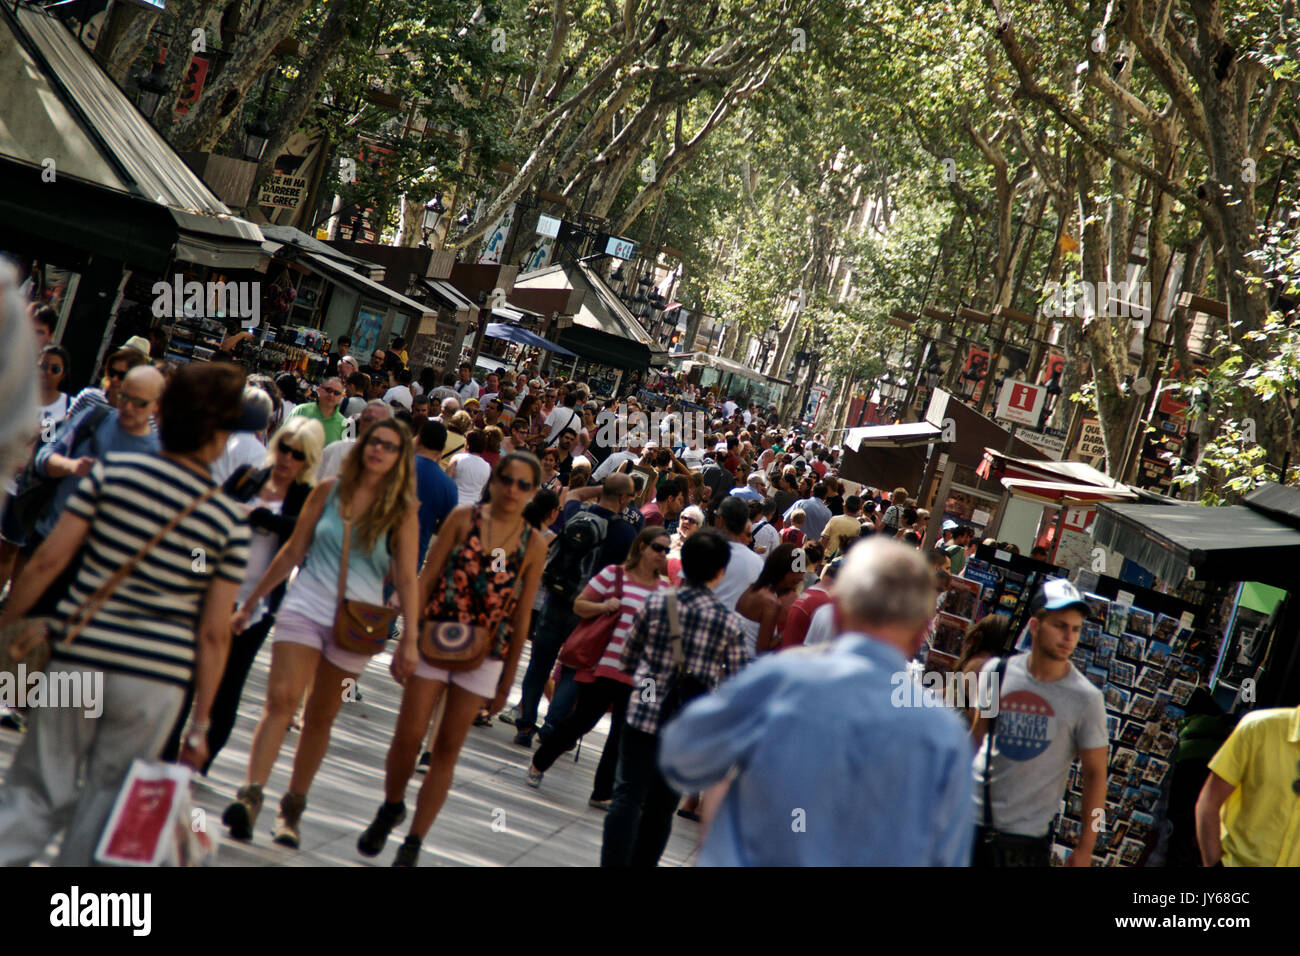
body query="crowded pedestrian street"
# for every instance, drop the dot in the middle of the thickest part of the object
(801, 434)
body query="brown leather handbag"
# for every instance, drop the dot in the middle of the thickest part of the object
(359, 627)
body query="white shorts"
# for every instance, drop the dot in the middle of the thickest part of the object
(294, 628)
(482, 680)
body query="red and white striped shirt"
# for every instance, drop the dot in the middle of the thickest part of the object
(601, 588)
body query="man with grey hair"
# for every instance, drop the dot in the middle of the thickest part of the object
(792, 721)
(450, 406)
(244, 448)
(331, 459)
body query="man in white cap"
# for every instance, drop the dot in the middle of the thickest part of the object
(1041, 715)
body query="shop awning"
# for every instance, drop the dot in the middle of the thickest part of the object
(891, 436)
(1234, 543)
(364, 284)
(514, 313)
(1064, 492)
(1277, 502)
(280, 236)
(688, 360)
(448, 295)
(57, 102)
(513, 333)
(998, 464)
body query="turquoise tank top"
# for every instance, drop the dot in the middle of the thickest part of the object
(315, 589)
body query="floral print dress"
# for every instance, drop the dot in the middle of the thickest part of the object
(474, 593)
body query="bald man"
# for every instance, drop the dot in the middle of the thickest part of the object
(92, 434)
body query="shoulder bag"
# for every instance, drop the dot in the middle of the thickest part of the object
(993, 847)
(586, 645)
(359, 627)
(454, 645)
(26, 643)
(683, 686)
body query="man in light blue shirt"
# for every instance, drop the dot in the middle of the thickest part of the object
(815, 511)
(841, 761)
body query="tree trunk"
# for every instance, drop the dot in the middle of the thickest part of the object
(206, 122)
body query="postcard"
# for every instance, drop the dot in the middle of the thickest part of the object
(949, 634)
(1131, 850)
(1149, 679)
(1097, 675)
(1158, 653)
(1116, 619)
(1117, 698)
(962, 598)
(1122, 762)
(1140, 706)
(1104, 649)
(1131, 732)
(1132, 645)
(1182, 691)
(1122, 673)
(1098, 606)
(1140, 622)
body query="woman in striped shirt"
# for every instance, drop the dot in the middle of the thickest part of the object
(605, 684)
(167, 623)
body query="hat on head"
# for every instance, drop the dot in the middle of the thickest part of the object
(139, 343)
(950, 525)
(1057, 594)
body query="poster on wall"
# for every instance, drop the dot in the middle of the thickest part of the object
(538, 257)
(973, 373)
(495, 243)
(365, 333)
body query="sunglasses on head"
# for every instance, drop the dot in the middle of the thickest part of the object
(523, 484)
(287, 449)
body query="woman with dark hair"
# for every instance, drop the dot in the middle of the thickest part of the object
(492, 438)
(986, 638)
(768, 599)
(372, 505)
(54, 369)
(462, 581)
(616, 589)
(163, 624)
(551, 481)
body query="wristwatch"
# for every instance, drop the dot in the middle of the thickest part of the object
(196, 735)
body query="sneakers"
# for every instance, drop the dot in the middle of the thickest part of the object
(422, 765)
(482, 720)
(408, 854)
(599, 804)
(524, 739)
(509, 716)
(534, 777)
(372, 841)
(13, 720)
(285, 831)
(242, 814)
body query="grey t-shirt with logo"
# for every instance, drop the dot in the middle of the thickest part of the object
(1040, 728)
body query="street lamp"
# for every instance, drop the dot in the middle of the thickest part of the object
(433, 211)
(152, 90)
(256, 135)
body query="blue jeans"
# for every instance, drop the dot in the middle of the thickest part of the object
(563, 701)
(554, 626)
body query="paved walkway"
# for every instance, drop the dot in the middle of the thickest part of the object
(491, 817)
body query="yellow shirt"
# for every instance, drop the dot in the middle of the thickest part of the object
(840, 531)
(1260, 822)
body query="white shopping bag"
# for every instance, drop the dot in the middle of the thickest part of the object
(153, 822)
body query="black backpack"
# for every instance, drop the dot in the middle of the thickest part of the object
(574, 556)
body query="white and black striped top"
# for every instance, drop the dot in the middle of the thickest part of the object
(148, 627)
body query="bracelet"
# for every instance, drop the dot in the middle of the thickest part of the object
(196, 727)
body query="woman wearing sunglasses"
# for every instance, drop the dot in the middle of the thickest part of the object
(473, 574)
(54, 400)
(375, 494)
(606, 684)
(272, 496)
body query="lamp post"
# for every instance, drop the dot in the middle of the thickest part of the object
(433, 211)
(152, 90)
(256, 135)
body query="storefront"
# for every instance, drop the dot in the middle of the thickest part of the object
(97, 207)
(729, 379)
(612, 349)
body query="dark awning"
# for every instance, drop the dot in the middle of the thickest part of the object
(513, 333)
(59, 104)
(1234, 543)
(1277, 501)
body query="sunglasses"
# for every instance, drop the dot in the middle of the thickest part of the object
(659, 548)
(331, 391)
(137, 402)
(52, 369)
(286, 449)
(115, 373)
(383, 444)
(523, 484)
(689, 521)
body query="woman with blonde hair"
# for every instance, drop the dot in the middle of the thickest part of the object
(579, 478)
(372, 510)
(459, 425)
(462, 581)
(272, 497)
